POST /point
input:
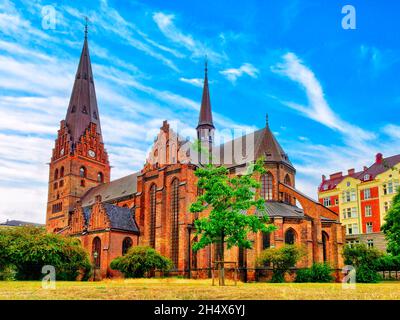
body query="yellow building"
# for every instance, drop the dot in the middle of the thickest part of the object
(363, 198)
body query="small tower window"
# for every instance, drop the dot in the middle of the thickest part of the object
(290, 236)
(84, 110)
(61, 183)
(82, 172)
(56, 174)
(82, 183)
(62, 172)
(100, 177)
(73, 109)
(55, 186)
(95, 115)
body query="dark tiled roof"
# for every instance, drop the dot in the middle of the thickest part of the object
(121, 218)
(378, 168)
(18, 223)
(113, 190)
(280, 209)
(262, 144)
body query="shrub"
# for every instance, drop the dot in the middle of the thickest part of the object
(367, 274)
(28, 249)
(140, 260)
(388, 262)
(281, 259)
(319, 272)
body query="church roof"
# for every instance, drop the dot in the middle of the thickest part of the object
(116, 189)
(262, 144)
(205, 117)
(281, 209)
(82, 108)
(121, 218)
(18, 223)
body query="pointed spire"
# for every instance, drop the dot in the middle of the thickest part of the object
(266, 120)
(205, 117)
(82, 109)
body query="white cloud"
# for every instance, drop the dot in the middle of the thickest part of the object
(392, 130)
(233, 74)
(197, 82)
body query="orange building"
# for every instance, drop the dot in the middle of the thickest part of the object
(151, 206)
(363, 198)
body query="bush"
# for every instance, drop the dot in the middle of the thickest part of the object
(28, 249)
(319, 272)
(388, 263)
(281, 259)
(140, 260)
(365, 260)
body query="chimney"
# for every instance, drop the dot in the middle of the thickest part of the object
(365, 168)
(350, 172)
(378, 158)
(323, 178)
(336, 175)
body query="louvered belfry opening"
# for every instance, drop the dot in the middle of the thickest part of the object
(153, 216)
(175, 222)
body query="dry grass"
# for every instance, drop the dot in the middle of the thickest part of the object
(195, 289)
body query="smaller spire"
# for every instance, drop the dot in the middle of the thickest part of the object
(266, 120)
(206, 66)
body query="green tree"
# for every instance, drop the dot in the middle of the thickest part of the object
(281, 259)
(27, 249)
(228, 198)
(139, 260)
(391, 227)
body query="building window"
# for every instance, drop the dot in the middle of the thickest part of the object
(354, 212)
(96, 252)
(290, 236)
(82, 183)
(62, 172)
(61, 183)
(153, 216)
(56, 207)
(56, 174)
(367, 177)
(349, 213)
(387, 205)
(82, 172)
(352, 228)
(55, 185)
(175, 222)
(266, 186)
(369, 227)
(336, 202)
(327, 202)
(367, 194)
(126, 244)
(368, 211)
(194, 254)
(370, 243)
(325, 241)
(266, 239)
(100, 177)
(287, 197)
(241, 258)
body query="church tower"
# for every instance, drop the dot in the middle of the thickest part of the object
(79, 160)
(205, 128)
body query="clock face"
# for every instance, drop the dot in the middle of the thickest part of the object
(62, 152)
(91, 153)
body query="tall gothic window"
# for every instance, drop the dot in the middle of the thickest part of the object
(96, 248)
(266, 186)
(126, 244)
(62, 172)
(56, 174)
(153, 216)
(266, 239)
(325, 239)
(175, 222)
(290, 236)
(287, 181)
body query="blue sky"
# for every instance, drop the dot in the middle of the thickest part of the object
(332, 94)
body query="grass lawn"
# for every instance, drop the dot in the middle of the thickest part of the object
(194, 289)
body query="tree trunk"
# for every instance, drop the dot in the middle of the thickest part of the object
(222, 259)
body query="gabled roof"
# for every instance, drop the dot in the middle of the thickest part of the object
(262, 144)
(116, 189)
(121, 218)
(332, 183)
(82, 108)
(380, 166)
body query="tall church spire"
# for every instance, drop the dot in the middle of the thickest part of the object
(205, 117)
(82, 109)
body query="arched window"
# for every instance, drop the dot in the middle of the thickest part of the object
(325, 241)
(242, 257)
(266, 238)
(62, 172)
(290, 236)
(153, 216)
(287, 180)
(266, 186)
(56, 174)
(175, 222)
(194, 254)
(96, 252)
(82, 172)
(126, 244)
(100, 177)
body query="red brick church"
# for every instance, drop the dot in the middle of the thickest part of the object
(151, 206)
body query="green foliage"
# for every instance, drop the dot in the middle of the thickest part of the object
(281, 259)
(365, 260)
(319, 272)
(391, 227)
(229, 199)
(388, 262)
(27, 249)
(139, 260)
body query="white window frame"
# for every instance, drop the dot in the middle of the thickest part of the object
(368, 211)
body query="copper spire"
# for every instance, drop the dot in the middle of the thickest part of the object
(82, 109)
(205, 117)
